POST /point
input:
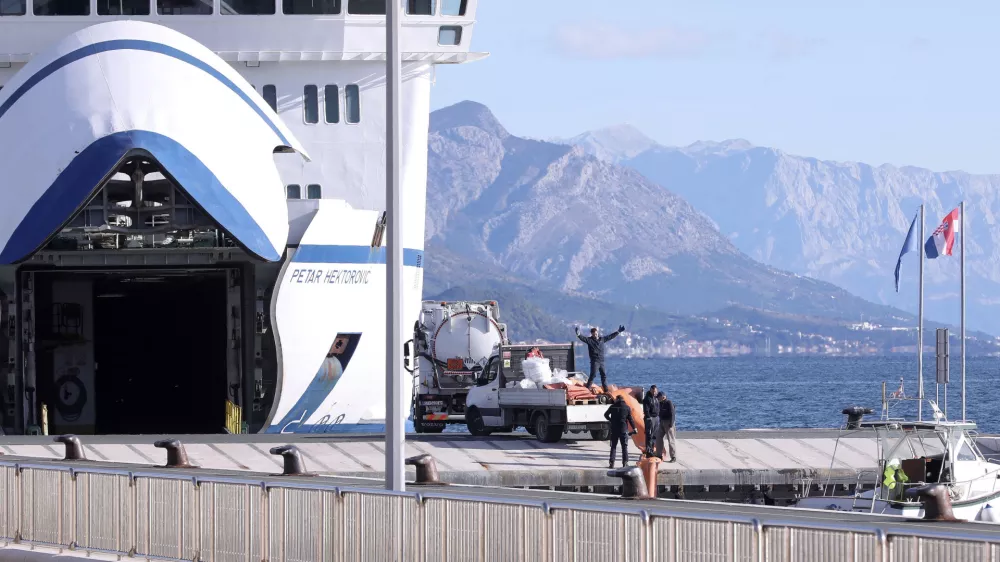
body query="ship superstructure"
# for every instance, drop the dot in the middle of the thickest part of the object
(199, 283)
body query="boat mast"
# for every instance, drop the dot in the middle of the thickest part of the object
(920, 327)
(962, 233)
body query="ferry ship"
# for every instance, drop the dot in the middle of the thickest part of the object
(192, 210)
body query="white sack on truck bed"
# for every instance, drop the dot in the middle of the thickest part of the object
(523, 383)
(536, 369)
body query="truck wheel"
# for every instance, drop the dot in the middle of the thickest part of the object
(474, 421)
(600, 434)
(547, 433)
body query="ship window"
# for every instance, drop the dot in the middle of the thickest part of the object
(353, 101)
(314, 191)
(331, 101)
(311, 104)
(293, 191)
(453, 7)
(450, 35)
(311, 6)
(376, 7)
(271, 96)
(13, 7)
(61, 7)
(123, 7)
(184, 7)
(420, 7)
(247, 7)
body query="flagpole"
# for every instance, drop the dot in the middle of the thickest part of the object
(962, 232)
(920, 326)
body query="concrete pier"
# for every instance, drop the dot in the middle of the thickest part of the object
(760, 466)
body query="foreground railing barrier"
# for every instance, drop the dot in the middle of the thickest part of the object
(173, 515)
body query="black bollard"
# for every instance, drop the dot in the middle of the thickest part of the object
(427, 472)
(854, 415)
(74, 450)
(936, 501)
(176, 455)
(633, 483)
(293, 460)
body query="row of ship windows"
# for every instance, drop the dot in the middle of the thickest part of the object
(228, 7)
(331, 102)
(313, 191)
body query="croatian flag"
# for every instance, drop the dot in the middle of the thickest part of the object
(909, 245)
(941, 242)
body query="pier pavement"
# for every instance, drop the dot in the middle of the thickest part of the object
(742, 465)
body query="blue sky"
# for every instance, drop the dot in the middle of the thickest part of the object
(906, 83)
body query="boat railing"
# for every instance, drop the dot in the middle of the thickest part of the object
(901, 497)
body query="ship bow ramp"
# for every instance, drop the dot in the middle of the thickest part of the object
(74, 115)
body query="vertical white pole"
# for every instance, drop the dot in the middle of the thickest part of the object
(394, 428)
(961, 213)
(920, 324)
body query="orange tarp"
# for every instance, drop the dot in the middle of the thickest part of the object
(575, 390)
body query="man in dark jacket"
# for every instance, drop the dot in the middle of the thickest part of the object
(595, 348)
(651, 416)
(620, 416)
(667, 427)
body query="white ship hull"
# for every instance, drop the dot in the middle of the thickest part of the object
(311, 356)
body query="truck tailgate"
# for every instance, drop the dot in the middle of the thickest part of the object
(533, 397)
(587, 413)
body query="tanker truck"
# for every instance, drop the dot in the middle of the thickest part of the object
(452, 343)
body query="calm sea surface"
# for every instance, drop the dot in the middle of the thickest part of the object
(758, 392)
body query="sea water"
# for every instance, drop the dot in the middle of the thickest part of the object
(797, 392)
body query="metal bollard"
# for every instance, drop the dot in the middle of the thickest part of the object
(74, 450)
(176, 455)
(936, 501)
(649, 467)
(633, 484)
(854, 415)
(293, 460)
(427, 472)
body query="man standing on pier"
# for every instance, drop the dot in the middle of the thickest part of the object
(620, 416)
(595, 348)
(651, 416)
(666, 427)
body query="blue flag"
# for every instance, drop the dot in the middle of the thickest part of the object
(910, 245)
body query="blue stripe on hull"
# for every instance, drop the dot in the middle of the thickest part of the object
(346, 428)
(312, 253)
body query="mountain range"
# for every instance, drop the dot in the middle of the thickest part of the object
(840, 222)
(506, 211)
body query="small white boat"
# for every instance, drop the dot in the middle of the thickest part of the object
(913, 454)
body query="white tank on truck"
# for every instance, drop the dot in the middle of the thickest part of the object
(452, 343)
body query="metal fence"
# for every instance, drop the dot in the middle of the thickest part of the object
(174, 515)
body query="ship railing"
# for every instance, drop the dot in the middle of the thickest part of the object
(180, 515)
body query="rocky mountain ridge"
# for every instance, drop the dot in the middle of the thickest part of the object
(841, 222)
(555, 217)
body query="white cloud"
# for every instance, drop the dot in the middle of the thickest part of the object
(784, 46)
(608, 41)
